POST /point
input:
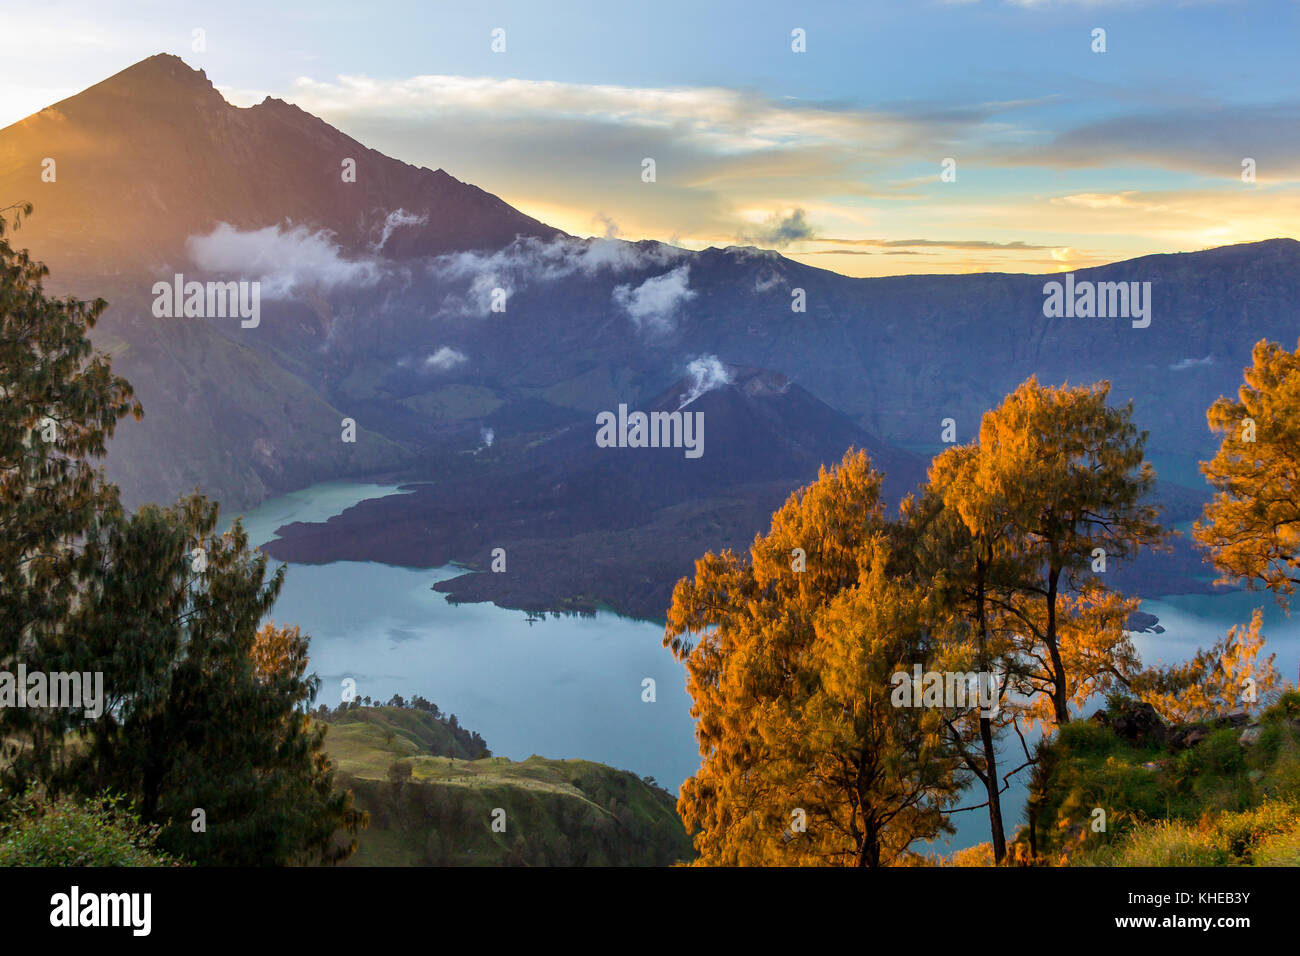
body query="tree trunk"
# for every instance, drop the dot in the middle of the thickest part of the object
(991, 785)
(986, 729)
(869, 849)
(1060, 692)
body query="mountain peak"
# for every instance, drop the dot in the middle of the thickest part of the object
(154, 155)
(164, 65)
(158, 78)
(275, 103)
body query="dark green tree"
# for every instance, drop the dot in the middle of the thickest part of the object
(204, 711)
(59, 404)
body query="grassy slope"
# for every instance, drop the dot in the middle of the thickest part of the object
(1218, 803)
(557, 812)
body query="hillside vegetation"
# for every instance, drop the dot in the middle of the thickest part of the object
(431, 805)
(1217, 793)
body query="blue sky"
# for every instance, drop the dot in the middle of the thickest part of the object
(1064, 157)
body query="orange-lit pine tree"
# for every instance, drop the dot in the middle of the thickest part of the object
(1252, 526)
(1070, 479)
(804, 759)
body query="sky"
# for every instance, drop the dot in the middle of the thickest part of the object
(1061, 156)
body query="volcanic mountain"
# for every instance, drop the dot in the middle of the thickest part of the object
(429, 314)
(615, 525)
(154, 155)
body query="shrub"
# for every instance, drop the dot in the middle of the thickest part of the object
(1287, 706)
(1238, 834)
(102, 831)
(981, 854)
(1283, 778)
(1165, 843)
(1282, 849)
(1267, 835)
(1087, 738)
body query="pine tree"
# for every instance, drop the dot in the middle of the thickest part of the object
(205, 711)
(1252, 526)
(1069, 478)
(59, 405)
(968, 552)
(789, 655)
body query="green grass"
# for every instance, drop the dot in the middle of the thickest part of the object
(557, 812)
(1283, 849)
(1267, 835)
(364, 741)
(1217, 803)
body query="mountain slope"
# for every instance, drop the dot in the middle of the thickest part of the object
(154, 154)
(556, 812)
(378, 312)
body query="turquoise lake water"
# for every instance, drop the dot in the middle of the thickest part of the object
(572, 686)
(559, 687)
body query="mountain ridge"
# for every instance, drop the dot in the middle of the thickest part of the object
(167, 157)
(413, 355)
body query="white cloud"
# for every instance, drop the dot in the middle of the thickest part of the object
(611, 227)
(283, 260)
(1129, 199)
(779, 230)
(444, 359)
(653, 304)
(704, 374)
(718, 118)
(397, 220)
(548, 260)
(532, 260)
